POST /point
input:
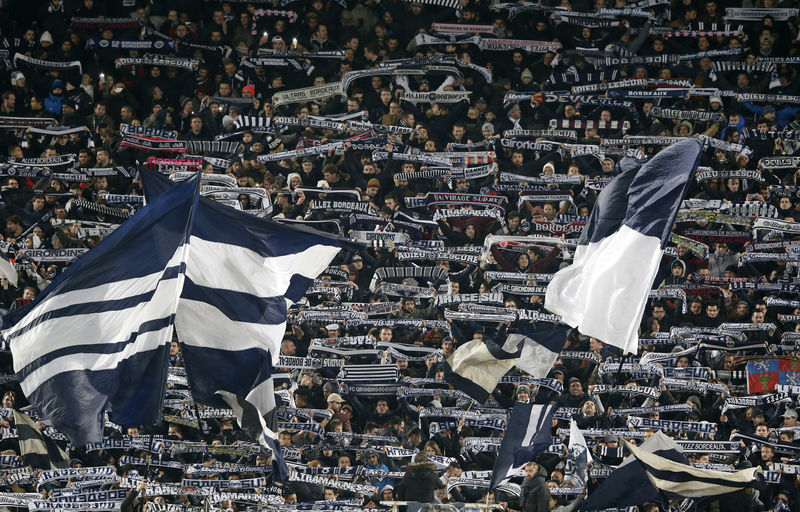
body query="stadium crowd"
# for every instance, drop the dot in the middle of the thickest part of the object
(464, 143)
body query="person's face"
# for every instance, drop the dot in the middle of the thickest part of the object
(330, 495)
(712, 311)
(100, 109)
(372, 459)
(531, 470)
(576, 388)
(682, 362)
(382, 407)
(589, 409)
(8, 401)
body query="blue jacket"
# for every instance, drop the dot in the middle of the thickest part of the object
(783, 116)
(53, 103)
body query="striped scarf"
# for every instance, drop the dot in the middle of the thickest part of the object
(251, 122)
(763, 67)
(450, 4)
(571, 77)
(708, 30)
(752, 133)
(214, 146)
(589, 124)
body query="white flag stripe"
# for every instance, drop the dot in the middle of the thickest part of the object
(96, 362)
(220, 332)
(621, 273)
(263, 398)
(116, 290)
(94, 328)
(214, 264)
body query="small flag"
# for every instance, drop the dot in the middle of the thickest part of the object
(578, 457)
(478, 365)
(529, 433)
(37, 450)
(763, 376)
(604, 292)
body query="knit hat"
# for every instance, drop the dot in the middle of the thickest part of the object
(227, 121)
(249, 88)
(46, 37)
(373, 182)
(487, 127)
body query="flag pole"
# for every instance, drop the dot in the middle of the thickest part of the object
(149, 460)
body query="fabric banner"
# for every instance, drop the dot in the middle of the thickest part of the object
(687, 115)
(47, 64)
(152, 59)
(701, 427)
(436, 96)
(307, 94)
(758, 14)
(96, 43)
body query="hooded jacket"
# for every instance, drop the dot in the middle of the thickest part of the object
(419, 483)
(54, 102)
(535, 495)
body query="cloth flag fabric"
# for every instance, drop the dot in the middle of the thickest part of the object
(688, 481)
(627, 485)
(37, 450)
(763, 376)
(8, 271)
(529, 433)
(604, 292)
(478, 365)
(578, 457)
(231, 317)
(98, 337)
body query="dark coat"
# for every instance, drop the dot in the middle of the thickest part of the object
(419, 483)
(535, 495)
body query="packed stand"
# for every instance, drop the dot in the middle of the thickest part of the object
(464, 144)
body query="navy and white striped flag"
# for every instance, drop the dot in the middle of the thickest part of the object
(688, 481)
(241, 275)
(478, 365)
(98, 337)
(529, 433)
(605, 290)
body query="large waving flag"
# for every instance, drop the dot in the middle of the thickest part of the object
(628, 485)
(98, 337)
(478, 365)
(529, 433)
(604, 292)
(691, 482)
(241, 275)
